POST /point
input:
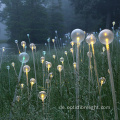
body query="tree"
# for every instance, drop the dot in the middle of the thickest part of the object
(55, 18)
(25, 16)
(107, 10)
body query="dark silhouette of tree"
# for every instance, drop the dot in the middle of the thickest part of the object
(107, 10)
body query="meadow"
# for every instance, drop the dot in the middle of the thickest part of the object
(60, 101)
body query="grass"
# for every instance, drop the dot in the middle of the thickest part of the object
(27, 110)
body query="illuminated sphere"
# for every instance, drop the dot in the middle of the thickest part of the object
(26, 68)
(53, 40)
(32, 81)
(103, 49)
(102, 79)
(91, 39)
(60, 68)
(3, 49)
(22, 86)
(61, 59)
(65, 52)
(23, 57)
(13, 64)
(72, 43)
(51, 75)
(77, 35)
(89, 54)
(48, 40)
(42, 95)
(8, 67)
(44, 52)
(113, 23)
(48, 64)
(74, 65)
(23, 43)
(28, 35)
(71, 50)
(42, 59)
(32, 45)
(16, 41)
(106, 36)
(54, 56)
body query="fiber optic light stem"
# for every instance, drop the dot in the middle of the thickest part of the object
(112, 84)
(20, 73)
(35, 75)
(77, 81)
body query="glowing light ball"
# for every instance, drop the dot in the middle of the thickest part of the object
(8, 67)
(18, 98)
(65, 52)
(91, 39)
(48, 65)
(22, 86)
(3, 49)
(103, 49)
(59, 68)
(53, 40)
(51, 75)
(16, 41)
(23, 44)
(23, 57)
(74, 65)
(32, 82)
(72, 43)
(48, 40)
(44, 53)
(77, 35)
(56, 31)
(62, 60)
(71, 50)
(89, 54)
(113, 23)
(42, 59)
(102, 80)
(26, 68)
(13, 64)
(28, 35)
(106, 36)
(42, 95)
(54, 56)
(32, 45)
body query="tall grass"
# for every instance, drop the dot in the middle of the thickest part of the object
(27, 110)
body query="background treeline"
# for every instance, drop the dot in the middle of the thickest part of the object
(40, 18)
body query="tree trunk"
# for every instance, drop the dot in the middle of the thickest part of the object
(108, 20)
